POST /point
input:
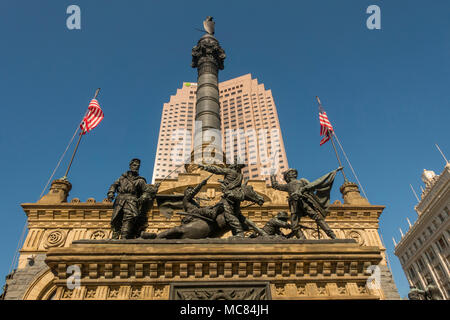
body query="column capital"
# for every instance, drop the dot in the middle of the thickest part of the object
(208, 49)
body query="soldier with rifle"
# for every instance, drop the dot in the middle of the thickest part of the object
(306, 198)
(233, 194)
(192, 208)
(133, 193)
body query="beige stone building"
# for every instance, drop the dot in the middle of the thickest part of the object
(73, 234)
(424, 249)
(249, 124)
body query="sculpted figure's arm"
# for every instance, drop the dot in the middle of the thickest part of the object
(307, 186)
(236, 183)
(146, 192)
(276, 185)
(282, 224)
(197, 189)
(112, 190)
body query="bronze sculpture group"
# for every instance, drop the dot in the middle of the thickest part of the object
(431, 291)
(135, 196)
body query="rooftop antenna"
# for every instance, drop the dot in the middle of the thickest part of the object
(446, 161)
(415, 194)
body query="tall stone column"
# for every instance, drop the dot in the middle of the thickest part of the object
(208, 58)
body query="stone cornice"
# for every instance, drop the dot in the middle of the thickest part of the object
(433, 195)
(147, 269)
(86, 211)
(141, 262)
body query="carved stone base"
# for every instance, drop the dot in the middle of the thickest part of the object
(209, 268)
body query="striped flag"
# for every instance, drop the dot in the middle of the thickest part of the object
(93, 117)
(326, 129)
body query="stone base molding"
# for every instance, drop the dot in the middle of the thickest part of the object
(204, 269)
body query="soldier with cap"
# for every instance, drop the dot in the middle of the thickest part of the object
(132, 193)
(307, 198)
(272, 228)
(232, 193)
(192, 207)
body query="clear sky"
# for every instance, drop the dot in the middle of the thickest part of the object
(385, 91)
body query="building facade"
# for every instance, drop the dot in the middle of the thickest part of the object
(250, 129)
(424, 250)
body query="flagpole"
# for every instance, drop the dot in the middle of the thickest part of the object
(337, 156)
(334, 147)
(78, 143)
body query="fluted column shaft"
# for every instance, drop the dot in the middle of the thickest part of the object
(207, 105)
(207, 57)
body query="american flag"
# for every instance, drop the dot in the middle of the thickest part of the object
(326, 129)
(93, 117)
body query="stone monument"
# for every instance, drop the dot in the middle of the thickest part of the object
(66, 236)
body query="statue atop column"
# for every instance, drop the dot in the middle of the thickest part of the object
(209, 25)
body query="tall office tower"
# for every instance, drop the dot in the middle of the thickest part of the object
(249, 124)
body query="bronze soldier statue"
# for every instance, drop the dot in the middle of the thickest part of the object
(133, 194)
(233, 194)
(432, 291)
(193, 213)
(416, 294)
(144, 204)
(193, 209)
(273, 226)
(307, 199)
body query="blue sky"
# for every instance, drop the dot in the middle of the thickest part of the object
(385, 91)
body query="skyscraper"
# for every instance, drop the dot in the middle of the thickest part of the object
(249, 124)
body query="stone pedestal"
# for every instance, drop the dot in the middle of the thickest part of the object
(59, 191)
(350, 193)
(215, 268)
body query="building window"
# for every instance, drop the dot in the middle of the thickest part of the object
(430, 254)
(412, 273)
(421, 264)
(440, 271)
(441, 244)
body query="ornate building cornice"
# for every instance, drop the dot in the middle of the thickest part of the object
(433, 191)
